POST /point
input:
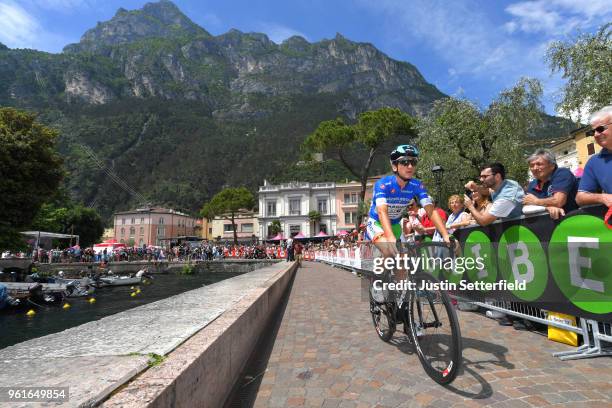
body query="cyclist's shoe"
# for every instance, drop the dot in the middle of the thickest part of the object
(378, 295)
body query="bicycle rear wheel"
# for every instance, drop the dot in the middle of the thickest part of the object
(435, 330)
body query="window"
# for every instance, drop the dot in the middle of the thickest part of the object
(161, 231)
(271, 209)
(132, 231)
(141, 230)
(294, 206)
(161, 220)
(142, 220)
(322, 206)
(294, 230)
(350, 198)
(210, 230)
(591, 149)
(270, 232)
(246, 228)
(349, 218)
(123, 221)
(122, 231)
(227, 228)
(323, 228)
(140, 242)
(133, 221)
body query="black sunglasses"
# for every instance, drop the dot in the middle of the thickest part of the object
(598, 129)
(406, 162)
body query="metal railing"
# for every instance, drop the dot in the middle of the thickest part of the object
(597, 336)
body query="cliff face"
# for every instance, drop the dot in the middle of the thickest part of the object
(159, 52)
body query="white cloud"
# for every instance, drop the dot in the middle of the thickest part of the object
(468, 40)
(19, 28)
(277, 32)
(60, 5)
(557, 17)
(458, 31)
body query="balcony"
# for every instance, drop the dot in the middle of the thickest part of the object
(268, 188)
(322, 185)
(294, 185)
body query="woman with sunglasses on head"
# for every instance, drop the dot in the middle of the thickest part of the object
(458, 217)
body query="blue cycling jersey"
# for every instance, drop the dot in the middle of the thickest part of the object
(387, 191)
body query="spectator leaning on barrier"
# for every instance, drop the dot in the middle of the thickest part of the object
(553, 187)
(507, 195)
(596, 182)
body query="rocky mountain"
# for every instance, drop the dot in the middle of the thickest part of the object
(155, 100)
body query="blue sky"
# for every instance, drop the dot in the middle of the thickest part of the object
(467, 48)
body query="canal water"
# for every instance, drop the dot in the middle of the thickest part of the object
(16, 327)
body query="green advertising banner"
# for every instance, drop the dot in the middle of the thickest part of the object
(566, 265)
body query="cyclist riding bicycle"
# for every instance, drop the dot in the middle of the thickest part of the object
(392, 194)
(427, 315)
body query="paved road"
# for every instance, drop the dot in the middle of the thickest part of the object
(325, 353)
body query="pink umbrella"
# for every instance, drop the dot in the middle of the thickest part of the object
(299, 235)
(342, 233)
(278, 237)
(321, 234)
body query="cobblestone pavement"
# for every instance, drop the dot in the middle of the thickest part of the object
(327, 354)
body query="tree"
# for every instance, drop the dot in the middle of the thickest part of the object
(66, 217)
(275, 227)
(458, 136)
(314, 216)
(31, 171)
(373, 128)
(227, 203)
(586, 64)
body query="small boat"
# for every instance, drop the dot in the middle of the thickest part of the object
(39, 293)
(77, 287)
(120, 280)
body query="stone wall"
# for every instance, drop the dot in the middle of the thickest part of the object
(203, 370)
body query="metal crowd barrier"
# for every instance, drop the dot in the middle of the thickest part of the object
(597, 336)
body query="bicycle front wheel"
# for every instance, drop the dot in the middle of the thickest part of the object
(382, 317)
(435, 330)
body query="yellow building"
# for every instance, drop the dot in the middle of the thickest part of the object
(575, 150)
(203, 228)
(247, 227)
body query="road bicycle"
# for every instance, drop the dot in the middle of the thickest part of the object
(427, 313)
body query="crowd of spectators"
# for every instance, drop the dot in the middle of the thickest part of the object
(553, 189)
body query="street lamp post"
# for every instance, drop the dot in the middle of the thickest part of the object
(438, 173)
